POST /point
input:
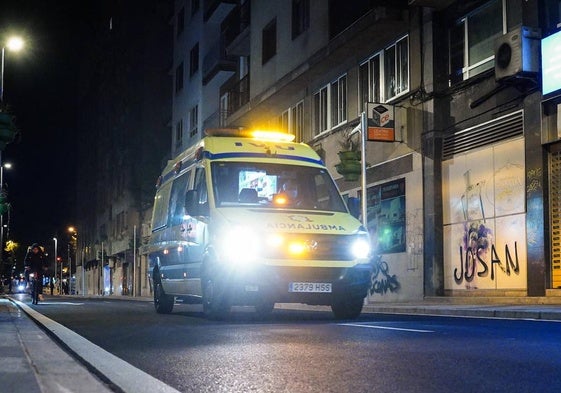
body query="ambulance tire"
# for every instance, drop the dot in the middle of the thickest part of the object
(215, 305)
(162, 302)
(347, 308)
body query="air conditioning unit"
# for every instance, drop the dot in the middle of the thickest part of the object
(517, 53)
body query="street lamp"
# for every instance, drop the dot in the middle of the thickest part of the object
(14, 44)
(3, 197)
(71, 246)
(56, 259)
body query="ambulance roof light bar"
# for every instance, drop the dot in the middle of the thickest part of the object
(273, 136)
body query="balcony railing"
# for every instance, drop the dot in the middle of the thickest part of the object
(235, 30)
(217, 61)
(238, 95)
(216, 10)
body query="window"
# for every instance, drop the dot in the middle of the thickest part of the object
(179, 133)
(120, 224)
(284, 122)
(297, 121)
(300, 17)
(177, 199)
(396, 69)
(179, 77)
(339, 101)
(160, 212)
(195, 5)
(320, 111)
(292, 121)
(369, 81)
(471, 41)
(194, 59)
(385, 75)
(180, 21)
(269, 41)
(329, 105)
(194, 120)
(223, 118)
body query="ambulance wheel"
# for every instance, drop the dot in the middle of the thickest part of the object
(215, 305)
(347, 308)
(162, 302)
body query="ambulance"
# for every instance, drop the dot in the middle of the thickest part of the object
(250, 218)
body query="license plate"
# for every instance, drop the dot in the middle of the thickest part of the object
(310, 287)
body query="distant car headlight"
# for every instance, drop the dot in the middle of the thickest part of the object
(360, 247)
(21, 287)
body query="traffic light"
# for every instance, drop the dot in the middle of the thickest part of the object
(4, 205)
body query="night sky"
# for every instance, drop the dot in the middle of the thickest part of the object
(40, 89)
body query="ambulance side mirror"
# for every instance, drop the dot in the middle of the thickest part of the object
(192, 205)
(354, 207)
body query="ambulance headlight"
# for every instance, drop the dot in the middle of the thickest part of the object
(360, 247)
(241, 245)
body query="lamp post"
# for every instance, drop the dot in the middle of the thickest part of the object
(71, 246)
(56, 258)
(14, 44)
(2, 166)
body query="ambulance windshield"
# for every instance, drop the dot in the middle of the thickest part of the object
(274, 185)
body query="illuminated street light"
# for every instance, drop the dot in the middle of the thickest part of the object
(14, 44)
(56, 259)
(72, 244)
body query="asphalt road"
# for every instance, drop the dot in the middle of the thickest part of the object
(303, 351)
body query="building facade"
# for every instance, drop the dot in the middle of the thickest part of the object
(123, 143)
(461, 201)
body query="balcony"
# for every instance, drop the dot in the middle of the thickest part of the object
(216, 10)
(238, 96)
(437, 4)
(216, 62)
(235, 30)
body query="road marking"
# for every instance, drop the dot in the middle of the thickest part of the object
(63, 303)
(386, 328)
(124, 375)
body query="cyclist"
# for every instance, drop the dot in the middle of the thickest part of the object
(36, 264)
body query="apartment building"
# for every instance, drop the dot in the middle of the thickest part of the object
(123, 131)
(460, 201)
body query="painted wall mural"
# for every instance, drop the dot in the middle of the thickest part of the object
(484, 218)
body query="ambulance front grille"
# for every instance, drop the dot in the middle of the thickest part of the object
(318, 247)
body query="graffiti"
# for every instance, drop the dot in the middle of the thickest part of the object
(381, 279)
(474, 264)
(534, 180)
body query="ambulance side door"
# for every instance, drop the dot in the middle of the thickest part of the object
(195, 226)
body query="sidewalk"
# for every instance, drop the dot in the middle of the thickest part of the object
(31, 361)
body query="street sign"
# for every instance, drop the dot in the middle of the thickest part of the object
(381, 123)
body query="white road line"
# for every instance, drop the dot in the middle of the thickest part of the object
(386, 328)
(127, 377)
(57, 303)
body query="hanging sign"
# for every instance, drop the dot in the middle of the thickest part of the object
(381, 123)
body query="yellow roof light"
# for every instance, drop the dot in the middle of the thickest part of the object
(273, 136)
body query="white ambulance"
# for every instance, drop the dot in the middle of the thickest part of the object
(251, 218)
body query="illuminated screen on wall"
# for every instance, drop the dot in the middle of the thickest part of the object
(551, 63)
